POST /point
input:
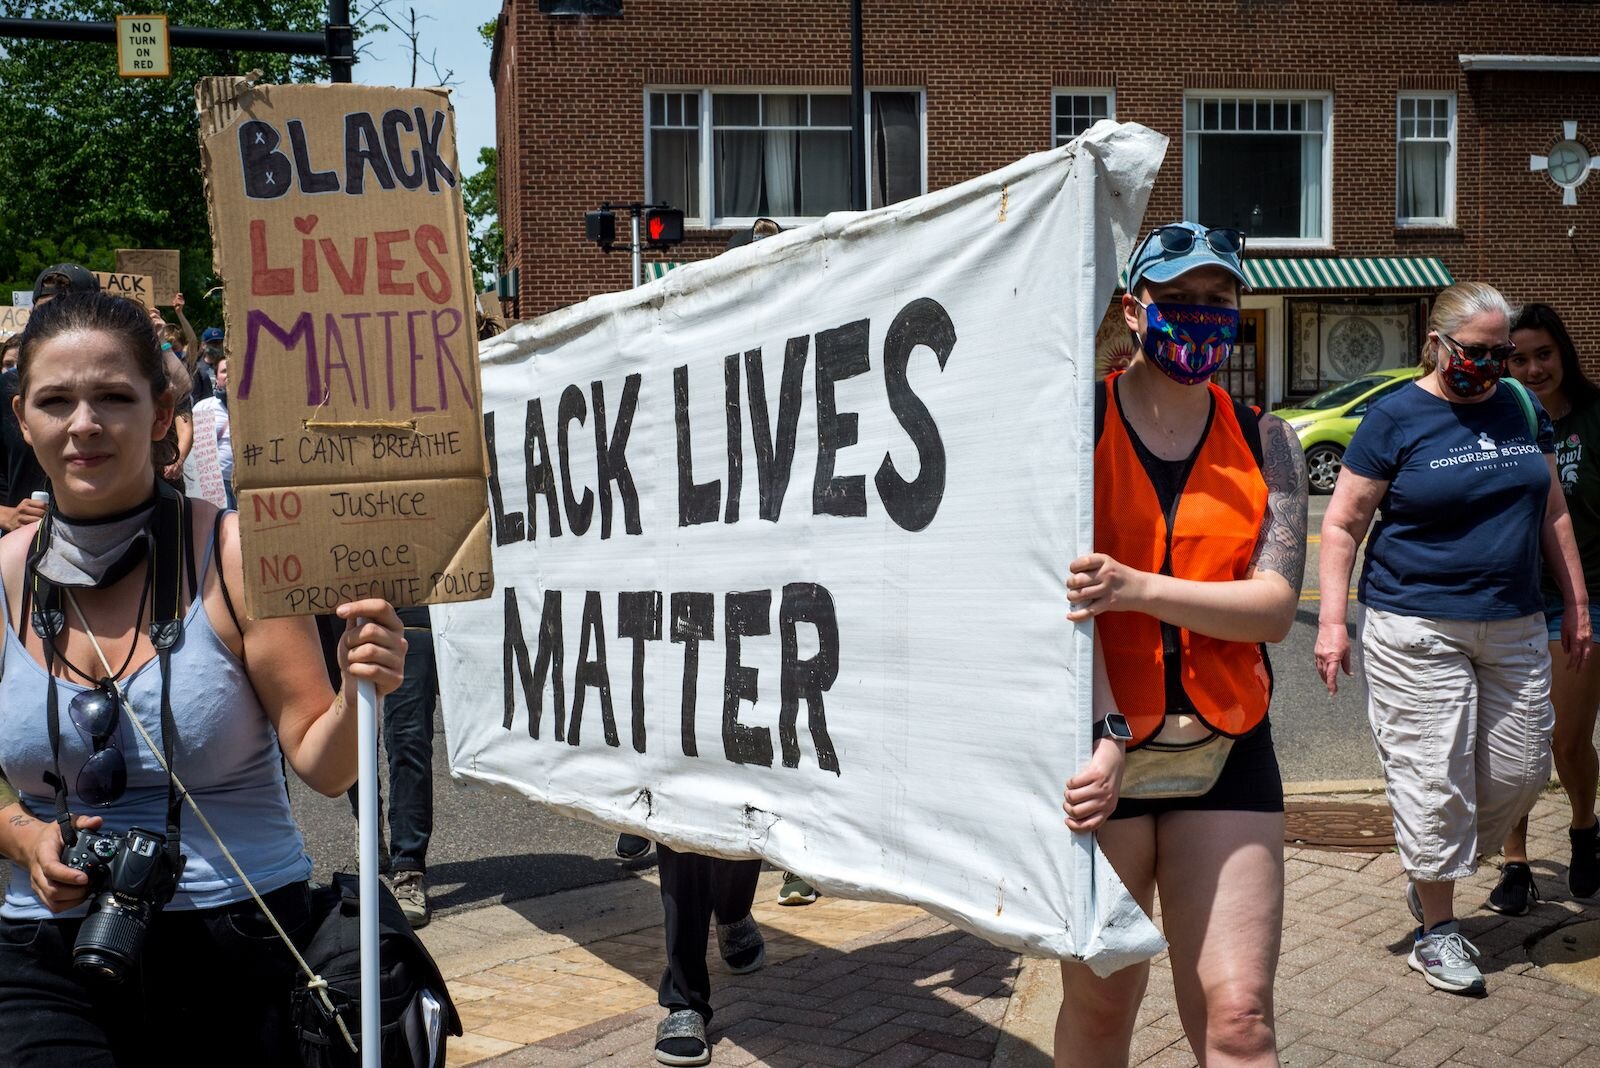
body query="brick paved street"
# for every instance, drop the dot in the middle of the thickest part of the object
(569, 980)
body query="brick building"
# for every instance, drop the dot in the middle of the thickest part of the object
(1372, 151)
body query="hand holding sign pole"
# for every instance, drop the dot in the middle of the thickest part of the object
(351, 325)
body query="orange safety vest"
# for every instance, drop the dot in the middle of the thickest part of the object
(1215, 527)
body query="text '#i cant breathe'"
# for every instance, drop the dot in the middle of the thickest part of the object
(535, 646)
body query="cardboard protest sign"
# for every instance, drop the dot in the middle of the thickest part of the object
(160, 264)
(14, 320)
(139, 287)
(782, 538)
(351, 325)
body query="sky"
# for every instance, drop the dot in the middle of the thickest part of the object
(449, 29)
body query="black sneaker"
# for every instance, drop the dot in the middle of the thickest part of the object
(1515, 893)
(1583, 874)
(632, 846)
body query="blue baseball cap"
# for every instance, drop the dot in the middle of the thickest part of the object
(210, 334)
(1166, 253)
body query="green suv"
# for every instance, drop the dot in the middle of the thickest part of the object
(1326, 421)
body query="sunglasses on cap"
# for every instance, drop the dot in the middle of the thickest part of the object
(1482, 354)
(96, 713)
(1177, 240)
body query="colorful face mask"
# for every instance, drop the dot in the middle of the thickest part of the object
(1467, 377)
(1189, 341)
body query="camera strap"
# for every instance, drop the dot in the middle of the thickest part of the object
(171, 560)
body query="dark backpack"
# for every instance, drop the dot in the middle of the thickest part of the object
(334, 953)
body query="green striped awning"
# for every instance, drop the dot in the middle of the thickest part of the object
(1348, 272)
(1344, 272)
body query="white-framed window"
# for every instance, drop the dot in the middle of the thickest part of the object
(1076, 110)
(730, 156)
(1261, 163)
(1425, 159)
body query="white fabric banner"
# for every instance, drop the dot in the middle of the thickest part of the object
(781, 542)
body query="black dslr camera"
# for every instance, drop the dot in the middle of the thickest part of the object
(132, 877)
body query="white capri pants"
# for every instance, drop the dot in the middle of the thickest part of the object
(1461, 716)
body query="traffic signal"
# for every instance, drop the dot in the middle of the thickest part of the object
(663, 227)
(601, 228)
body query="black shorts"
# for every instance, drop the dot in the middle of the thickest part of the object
(1249, 782)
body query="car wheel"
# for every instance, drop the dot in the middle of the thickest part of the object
(1322, 467)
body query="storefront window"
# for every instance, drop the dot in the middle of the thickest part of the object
(1333, 340)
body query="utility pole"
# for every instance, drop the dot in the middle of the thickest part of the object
(858, 113)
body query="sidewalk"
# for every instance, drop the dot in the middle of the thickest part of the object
(569, 980)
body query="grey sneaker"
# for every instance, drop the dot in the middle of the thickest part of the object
(412, 895)
(681, 1039)
(741, 945)
(1445, 960)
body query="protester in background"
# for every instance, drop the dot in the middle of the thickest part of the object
(408, 742)
(1546, 361)
(694, 889)
(22, 475)
(205, 368)
(246, 696)
(8, 351)
(183, 412)
(1200, 522)
(217, 406)
(1453, 636)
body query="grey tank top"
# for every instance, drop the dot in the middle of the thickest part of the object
(226, 753)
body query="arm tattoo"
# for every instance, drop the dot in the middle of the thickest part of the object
(21, 820)
(1281, 545)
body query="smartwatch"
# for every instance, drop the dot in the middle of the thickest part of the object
(1113, 725)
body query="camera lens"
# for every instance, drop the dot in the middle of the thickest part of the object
(111, 938)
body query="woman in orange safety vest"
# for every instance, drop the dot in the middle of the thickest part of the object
(1200, 524)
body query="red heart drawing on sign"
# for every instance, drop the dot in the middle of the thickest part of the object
(305, 223)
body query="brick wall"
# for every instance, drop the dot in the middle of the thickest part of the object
(571, 110)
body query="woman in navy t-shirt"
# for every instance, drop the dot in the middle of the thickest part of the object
(1453, 636)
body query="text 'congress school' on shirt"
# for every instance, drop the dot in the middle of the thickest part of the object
(1458, 529)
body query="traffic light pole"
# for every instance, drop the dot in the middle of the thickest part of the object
(634, 212)
(336, 44)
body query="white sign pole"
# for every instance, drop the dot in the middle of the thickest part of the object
(368, 708)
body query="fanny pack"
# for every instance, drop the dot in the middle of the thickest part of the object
(1185, 769)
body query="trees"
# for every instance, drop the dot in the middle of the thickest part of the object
(480, 194)
(91, 162)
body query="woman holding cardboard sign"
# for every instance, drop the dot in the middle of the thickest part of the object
(1200, 521)
(122, 653)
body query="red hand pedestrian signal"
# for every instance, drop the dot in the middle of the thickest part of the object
(663, 227)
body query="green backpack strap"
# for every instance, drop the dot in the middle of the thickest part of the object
(1525, 402)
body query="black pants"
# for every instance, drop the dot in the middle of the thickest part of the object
(693, 889)
(212, 988)
(408, 741)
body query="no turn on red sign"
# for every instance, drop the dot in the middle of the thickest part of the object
(143, 48)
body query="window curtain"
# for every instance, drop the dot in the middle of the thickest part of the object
(1422, 171)
(675, 169)
(779, 153)
(825, 172)
(1311, 186)
(896, 148)
(739, 173)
